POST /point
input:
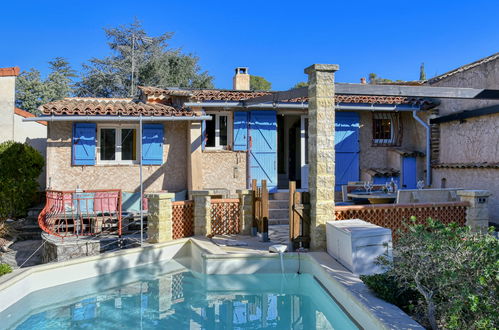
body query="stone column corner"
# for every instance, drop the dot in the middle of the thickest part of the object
(477, 213)
(202, 212)
(245, 211)
(159, 219)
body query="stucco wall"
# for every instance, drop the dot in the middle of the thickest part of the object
(474, 141)
(61, 175)
(34, 134)
(224, 169)
(7, 98)
(482, 76)
(486, 179)
(413, 138)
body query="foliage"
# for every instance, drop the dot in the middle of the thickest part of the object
(5, 269)
(32, 91)
(422, 73)
(374, 79)
(387, 288)
(258, 83)
(20, 167)
(300, 84)
(455, 271)
(138, 59)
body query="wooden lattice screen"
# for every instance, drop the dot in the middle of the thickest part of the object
(393, 215)
(183, 219)
(224, 216)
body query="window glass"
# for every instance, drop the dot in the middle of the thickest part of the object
(223, 130)
(210, 132)
(108, 144)
(382, 129)
(128, 144)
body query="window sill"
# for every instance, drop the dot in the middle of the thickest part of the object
(214, 150)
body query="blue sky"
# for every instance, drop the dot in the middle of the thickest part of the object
(275, 39)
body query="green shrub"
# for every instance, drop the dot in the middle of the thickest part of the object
(455, 271)
(386, 287)
(20, 167)
(5, 269)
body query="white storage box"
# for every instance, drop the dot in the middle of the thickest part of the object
(356, 244)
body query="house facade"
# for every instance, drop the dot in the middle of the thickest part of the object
(465, 133)
(93, 143)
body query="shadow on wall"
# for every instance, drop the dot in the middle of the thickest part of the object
(40, 144)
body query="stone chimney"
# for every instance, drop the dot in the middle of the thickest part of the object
(363, 80)
(241, 80)
(7, 102)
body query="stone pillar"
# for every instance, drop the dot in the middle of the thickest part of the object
(194, 154)
(321, 150)
(246, 211)
(159, 220)
(477, 214)
(202, 212)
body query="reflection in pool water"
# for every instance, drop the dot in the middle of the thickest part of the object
(189, 300)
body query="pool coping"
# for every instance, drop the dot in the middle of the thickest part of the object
(346, 287)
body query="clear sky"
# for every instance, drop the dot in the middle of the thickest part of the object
(275, 39)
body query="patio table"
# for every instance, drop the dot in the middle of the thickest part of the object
(373, 198)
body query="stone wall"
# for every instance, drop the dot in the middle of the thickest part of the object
(224, 169)
(472, 178)
(171, 175)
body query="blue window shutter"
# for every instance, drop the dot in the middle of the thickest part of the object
(241, 130)
(84, 143)
(152, 144)
(203, 134)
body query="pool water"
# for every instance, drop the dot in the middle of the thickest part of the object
(190, 300)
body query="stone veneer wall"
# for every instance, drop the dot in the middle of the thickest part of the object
(61, 175)
(224, 169)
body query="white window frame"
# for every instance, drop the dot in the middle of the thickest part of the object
(230, 127)
(391, 140)
(118, 128)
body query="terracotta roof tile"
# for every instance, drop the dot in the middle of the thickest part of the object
(112, 107)
(466, 165)
(6, 72)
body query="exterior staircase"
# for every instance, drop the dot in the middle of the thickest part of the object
(30, 228)
(279, 208)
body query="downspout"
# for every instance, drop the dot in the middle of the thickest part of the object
(428, 141)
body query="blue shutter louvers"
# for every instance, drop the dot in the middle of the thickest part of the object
(241, 130)
(152, 144)
(83, 143)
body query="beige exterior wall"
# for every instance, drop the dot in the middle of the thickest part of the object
(472, 178)
(171, 176)
(7, 98)
(34, 134)
(413, 138)
(474, 141)
(224, 169)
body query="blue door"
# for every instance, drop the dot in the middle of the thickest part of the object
(263, 147)
(346, 143)
(409, 175)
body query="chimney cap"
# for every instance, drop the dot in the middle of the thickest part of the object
(242, 70)
(363, 80)
(8, 72)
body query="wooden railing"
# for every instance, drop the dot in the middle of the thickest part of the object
(261, 208)
(299, 217)
(81, 213)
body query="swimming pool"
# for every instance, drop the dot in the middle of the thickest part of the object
(184, 299)
(194, 284)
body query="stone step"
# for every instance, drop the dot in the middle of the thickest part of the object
(279, 196)
(278, 204)
(278, 221)
(278, 213)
